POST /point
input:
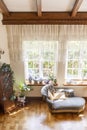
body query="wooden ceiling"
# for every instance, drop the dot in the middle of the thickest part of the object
(43, 17)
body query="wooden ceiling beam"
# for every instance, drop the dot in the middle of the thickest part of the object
(48, 18)
(39, 8)
(76, 7)
(3, 8)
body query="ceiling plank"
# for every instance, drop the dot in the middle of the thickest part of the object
(48, 18)
(39, 8)
(76, 7)
(3, 8)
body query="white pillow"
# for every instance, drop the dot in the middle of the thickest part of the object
(56, 95)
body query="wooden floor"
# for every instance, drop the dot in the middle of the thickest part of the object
(36, 116)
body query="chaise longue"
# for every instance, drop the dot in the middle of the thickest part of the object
(68, 103)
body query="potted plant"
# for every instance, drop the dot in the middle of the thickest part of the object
(8, 80)
(22, 90)
(52, 79)
(6, 68)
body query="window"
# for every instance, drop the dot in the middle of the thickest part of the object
(76, 61)
(40, 58)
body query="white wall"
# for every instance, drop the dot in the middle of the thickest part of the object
(4, 43)
(78, 91)
(36, 92)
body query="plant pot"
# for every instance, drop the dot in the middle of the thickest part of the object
(21, 99)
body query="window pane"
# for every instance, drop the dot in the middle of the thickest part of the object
(69, 73)
(70, 64)
(45, 64)
(85, 64)
(76, 54)
(51, 65)
(46, 72)
(75, 72)
(30, 64)
(85, 54)
(84, 73)
(36, 65)
(75, 64)
(70, 55)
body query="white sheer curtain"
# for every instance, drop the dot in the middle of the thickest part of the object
(73, 32)
(18, 33)
(61, 33)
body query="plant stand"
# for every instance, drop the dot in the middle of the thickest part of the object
(21, 100)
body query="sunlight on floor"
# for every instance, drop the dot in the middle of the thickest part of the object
(15, 112)
(36, 122)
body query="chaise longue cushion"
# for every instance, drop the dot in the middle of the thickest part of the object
(71, 104)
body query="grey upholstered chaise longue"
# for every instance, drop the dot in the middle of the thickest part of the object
(69, 104)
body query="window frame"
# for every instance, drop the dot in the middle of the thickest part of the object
(80, 60)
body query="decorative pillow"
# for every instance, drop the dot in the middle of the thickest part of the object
(50, 95)
(56, 95)
(51, 89)
(69, 93)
